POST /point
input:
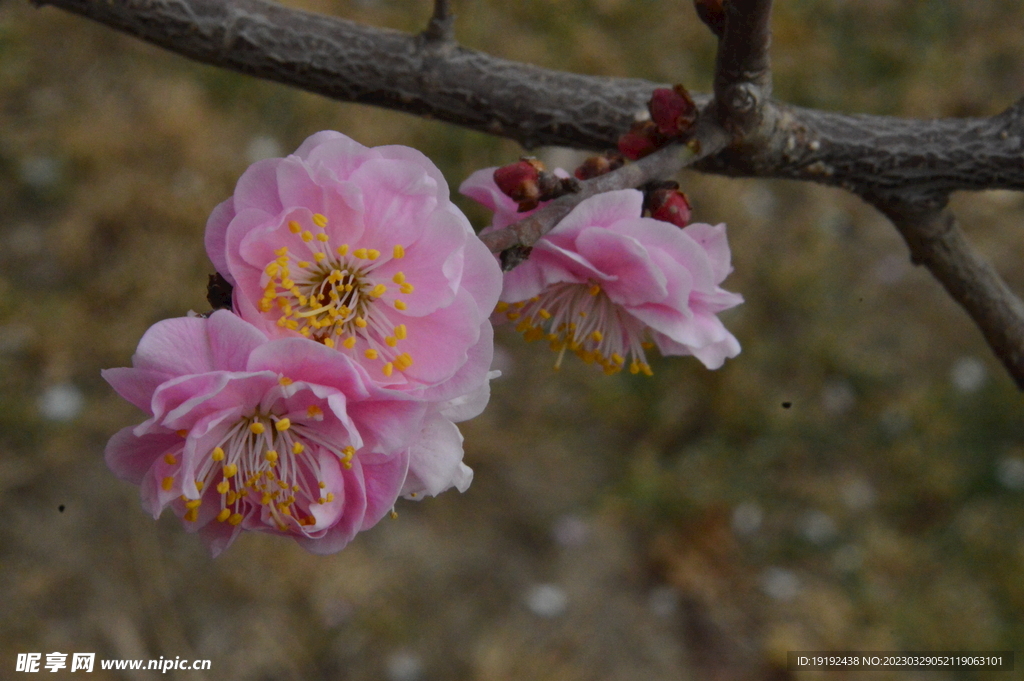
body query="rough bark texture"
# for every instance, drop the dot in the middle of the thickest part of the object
(906, 168)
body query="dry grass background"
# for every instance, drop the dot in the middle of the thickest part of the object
(686, 526)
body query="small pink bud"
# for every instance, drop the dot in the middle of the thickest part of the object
(642, 139)
(520, 180)
(672, 110)
(669, 205)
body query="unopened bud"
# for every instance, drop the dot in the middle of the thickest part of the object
(642, 139)
(599, 165)
(673, 111)
(666, 203)
(520, 180)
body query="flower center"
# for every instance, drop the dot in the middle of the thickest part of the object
(266, 461)
(582, 318)
(334, 295)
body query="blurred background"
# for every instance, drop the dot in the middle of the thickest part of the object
(853, 480)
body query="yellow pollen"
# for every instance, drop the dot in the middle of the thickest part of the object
(232, 497)
(266, 499)
(194, 503)
(393, 514)
(501, 306)
(191, 515)
(314, 411)
(399, 251)
(182, 433)
(169, 458)
(321, 501)
(235, 518)
(217, 454)
(298, 448)
(303, 264)
(595, 289)
(319, 220)
(617, 358)
(271, 456)
(342, 250)
(544, 313)
(229, 470)
(329, 342)
(378, 290)
(256, 428)
(370, 353)
(319, 257)
(360, 322)
(520, 305)
(224, 514)
(223, 486)
(400, 305)
(360, 253)
(281, 252)
(294, 227)
(283, 424)
(284, 380)
(330, 496)
(349, 342)
(406, 288)
(322, 237)
(272, 269)
(400, 332)
(388, 368)
(307, 236)
(167, 483)
(512, 316)
(403, 361)
(373, 254)
(391, 341)
(199, 484)
(287, 283)
(399, 278)
(597, 336)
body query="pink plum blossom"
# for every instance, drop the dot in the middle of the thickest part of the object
(283, 436)
(609, 284)
(361, 250)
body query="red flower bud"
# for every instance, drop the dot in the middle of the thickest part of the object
(642, 139)
(599, 165)
(520, 180)
(672, 110)
(669, 205)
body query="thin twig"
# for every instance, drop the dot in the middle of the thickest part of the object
(442, 24)
(743, 78)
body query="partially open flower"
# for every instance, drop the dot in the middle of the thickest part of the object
(361, 250)
(283, 436)
(608, 285)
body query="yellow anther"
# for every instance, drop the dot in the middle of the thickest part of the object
(194, 503)
(329, 342)
(235, 518)
(544, 313)
(283, 424)
(399, 251)
(321, 501)
(294, 227)
(272, 269)
(520, 305)
(406, 288)
(284, 380)
(217, 454)
(393, 514)
(400, 332)
(223, 486)
(373, 254)
(399, 278)
(342, 250)
(634, 367)
(292, 324)
(646, 368)
(512, 316)
(323, 238)
(360, 322)
(271, 456)
(404, 361)
(319, 257)
(501, 306)
(314, 411)
(307, 236)
(170, 460)
(231, 498)
(349, 342)
(182, 433)
(370, 353)
(319, 220)
(388, 368)
(256, 428)
(360, 253)
(298, 448)
(595, 289)
(167, 483)
(224, 514)
(617, 358)
(266, 499)
(200, 484)
(597, 336)
(229, 470)
(287, 283)
(378, 290)
(281, 252)
(391, 341)
(400, 305)
(330, 497)
(191, 515)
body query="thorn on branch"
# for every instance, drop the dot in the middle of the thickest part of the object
(441, 28)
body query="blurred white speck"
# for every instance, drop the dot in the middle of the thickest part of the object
(858, 494)
(570, 530)
(838, 397)
(818, 527)
(747, 518)
(503, 360)
(780, 584)
(546, 600)
(263, 147)
(404, 666)
(1010, 472)
(890, 269)
(39, 172)
(848, 558)
(663, 601)
(61, 402)
(968, 374)
(565, 158)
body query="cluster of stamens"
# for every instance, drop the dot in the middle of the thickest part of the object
(265, 460)
(331, 296)
(582, 319)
